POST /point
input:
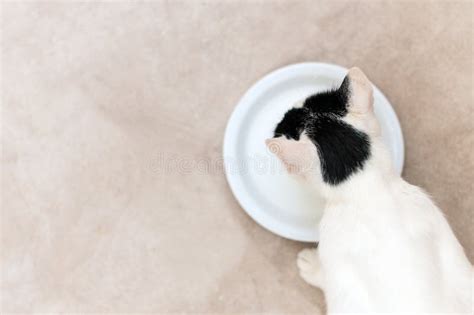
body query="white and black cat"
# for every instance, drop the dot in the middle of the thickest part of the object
(384, 245)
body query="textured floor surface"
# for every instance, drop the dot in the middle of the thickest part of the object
(104, 106)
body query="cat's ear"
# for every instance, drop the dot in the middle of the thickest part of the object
(361, 99)
(298, 157)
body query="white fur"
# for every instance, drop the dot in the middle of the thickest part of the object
(384, 245)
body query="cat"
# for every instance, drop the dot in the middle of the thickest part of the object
(384, 245)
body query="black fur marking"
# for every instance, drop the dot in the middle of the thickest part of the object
(331, 102)
(293, 124)
(342, 149)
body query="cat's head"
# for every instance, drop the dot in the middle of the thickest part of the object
(327, 138)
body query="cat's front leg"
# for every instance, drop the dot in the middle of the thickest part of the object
(310, 266)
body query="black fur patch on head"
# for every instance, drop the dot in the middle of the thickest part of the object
(293, 124)
(342, 149)
(330, 102)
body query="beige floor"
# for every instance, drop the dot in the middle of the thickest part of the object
(97, 97)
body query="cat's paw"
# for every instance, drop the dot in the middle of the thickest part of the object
(309, 266)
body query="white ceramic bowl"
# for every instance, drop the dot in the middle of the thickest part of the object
(256, 177)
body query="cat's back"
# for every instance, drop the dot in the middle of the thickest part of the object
(400, 248)
(427, 225)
